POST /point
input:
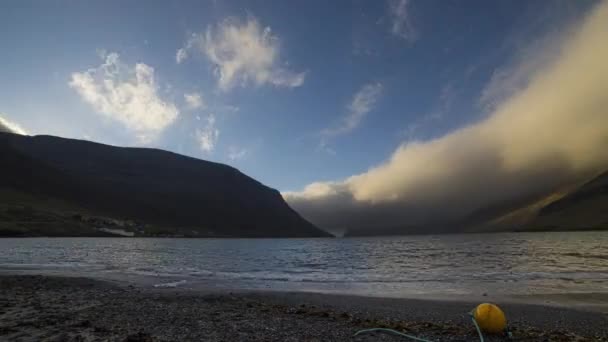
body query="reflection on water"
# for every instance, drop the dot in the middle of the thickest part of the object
(510, 263)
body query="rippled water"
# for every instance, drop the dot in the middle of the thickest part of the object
(510, 263)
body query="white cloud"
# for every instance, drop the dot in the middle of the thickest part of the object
(243, 53)
(194, 101)
(552, 131)
(235, 153)
(401, 22)
(11, 127)
(230, 108)
(208, 135)
(181, 55)
(126, 94)
(362, 103)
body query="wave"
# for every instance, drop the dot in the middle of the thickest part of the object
(173, 284)
(587, 256)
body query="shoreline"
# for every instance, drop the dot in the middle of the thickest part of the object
(587, 302)
(34, 307)
(104, 234)
(582, 301)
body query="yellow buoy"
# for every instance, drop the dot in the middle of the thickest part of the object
(490, 318)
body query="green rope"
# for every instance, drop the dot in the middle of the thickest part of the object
(391, 331)
(395, 332)
(477, 327)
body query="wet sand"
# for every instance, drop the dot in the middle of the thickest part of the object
(43, 308)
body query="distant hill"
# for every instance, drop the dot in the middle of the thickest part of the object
(57, 186)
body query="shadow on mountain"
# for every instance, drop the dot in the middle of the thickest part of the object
(57, 186)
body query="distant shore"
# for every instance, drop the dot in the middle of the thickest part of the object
(34, 308)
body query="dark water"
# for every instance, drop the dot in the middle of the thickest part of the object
(512, 263)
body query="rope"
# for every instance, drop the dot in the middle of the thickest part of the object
(395, 332)
(391, 331)
(477, 327)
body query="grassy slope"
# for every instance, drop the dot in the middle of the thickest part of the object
(24, 214)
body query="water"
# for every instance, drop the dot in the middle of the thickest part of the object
(508, 264)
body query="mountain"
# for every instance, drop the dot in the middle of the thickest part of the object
(56, 186)
(584, 208)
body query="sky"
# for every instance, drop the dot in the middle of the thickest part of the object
(362, 113)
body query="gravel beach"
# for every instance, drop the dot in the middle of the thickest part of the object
(43, 308)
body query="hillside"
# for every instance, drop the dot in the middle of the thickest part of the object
(584, 208)
(57, 186)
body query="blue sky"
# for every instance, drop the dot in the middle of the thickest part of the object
(290, 93)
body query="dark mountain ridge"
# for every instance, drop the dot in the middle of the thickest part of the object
(153, 186)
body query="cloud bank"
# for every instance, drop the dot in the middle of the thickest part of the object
(128, 95)
(551, 131)
(243, 53)
(11, 127)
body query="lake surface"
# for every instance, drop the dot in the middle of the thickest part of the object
(497, 264)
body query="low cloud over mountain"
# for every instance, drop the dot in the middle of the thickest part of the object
(549, 132)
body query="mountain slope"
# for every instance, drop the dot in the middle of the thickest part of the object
(583, 208)
(184, 195)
